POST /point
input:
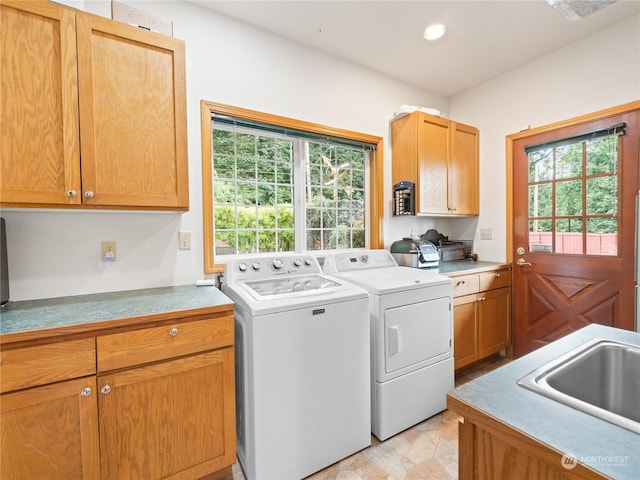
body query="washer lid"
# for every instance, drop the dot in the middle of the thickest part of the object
(286, 285)
(393, 279)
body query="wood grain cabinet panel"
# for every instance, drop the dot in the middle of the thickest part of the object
(42, 364)
(481, 315)
(441, 158)
(132, 115)
(93, 112)
(147, 345)
(39, 145)
(50, 432)
(173, 419)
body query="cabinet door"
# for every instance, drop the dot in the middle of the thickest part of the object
(39, 145)
(494, 325)
(132, 116)
(465, 336)
(433, 155)
(463, 170)
(50, 432)
(174, 419)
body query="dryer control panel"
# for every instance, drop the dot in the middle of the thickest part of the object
(358, 260)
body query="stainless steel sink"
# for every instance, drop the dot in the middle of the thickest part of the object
(601, 378)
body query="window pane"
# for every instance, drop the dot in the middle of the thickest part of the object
(246, 168)
(224, 217)
(602, 155)
(224, 192)
(540, 204)
(266, 171)
(284, 173)
(602, 195)
(266, 194)
(569, 161)
(225, 242)
(286, 241)
(245, 145)
(223, 142)
(569, 198)
(247, 241)
(267, 147)
(224, 167)
(314, 239)
(541, 165)
(284, 196)
(569, 236)
(602, 236)
(285, 218)
(246, 193)
(540, 235)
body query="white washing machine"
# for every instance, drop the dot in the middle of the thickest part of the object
(411, 337)
(302, 366)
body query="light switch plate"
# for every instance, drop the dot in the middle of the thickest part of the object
(184, 240)
(485, 234)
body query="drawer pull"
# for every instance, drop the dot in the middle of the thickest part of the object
(105, 390)
(498, 275)
(482, 299)
(85, 392)
(173, 332)
(461, 282)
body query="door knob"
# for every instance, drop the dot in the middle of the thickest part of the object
(521, 263)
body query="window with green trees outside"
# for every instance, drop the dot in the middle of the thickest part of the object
(277, 192)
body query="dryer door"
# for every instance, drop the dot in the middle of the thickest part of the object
(417, 335)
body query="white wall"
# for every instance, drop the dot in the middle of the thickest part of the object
(55, 253)
(598, 72)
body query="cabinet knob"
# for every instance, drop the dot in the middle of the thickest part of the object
(88, 194)
(85, 392)
(482, 299)
(72, 193)
(498, 275)
(105, 390)
(173, 332)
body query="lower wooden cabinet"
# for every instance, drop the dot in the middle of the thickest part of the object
(50, 432)
(159, 403)
(168, 420)
(481, 315)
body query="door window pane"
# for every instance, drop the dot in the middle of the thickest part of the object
(574, 196)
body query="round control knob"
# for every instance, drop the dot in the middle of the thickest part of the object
(297, 262)
(308, 261)
(256, 266)
(242, 267)
(277, 264)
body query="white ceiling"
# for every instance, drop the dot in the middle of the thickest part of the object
(484, 38)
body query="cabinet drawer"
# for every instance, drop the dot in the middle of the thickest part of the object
(42, 364)
(496, 279)
(158, 343)
(465, 284)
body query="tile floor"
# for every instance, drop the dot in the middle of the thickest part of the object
(427, 451)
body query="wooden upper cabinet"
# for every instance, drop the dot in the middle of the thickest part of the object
(39, 145)
(132, 115)
(104, 127)
(441, 158)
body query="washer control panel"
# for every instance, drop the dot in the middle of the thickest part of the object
(259, 267)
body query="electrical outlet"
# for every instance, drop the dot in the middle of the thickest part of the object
(184, 240)
(109, 251)
(485, 234)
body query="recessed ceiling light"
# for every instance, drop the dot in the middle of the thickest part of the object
(435, 31)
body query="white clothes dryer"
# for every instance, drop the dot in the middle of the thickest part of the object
(411, 316)
(302, 366)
